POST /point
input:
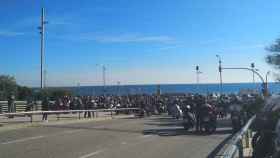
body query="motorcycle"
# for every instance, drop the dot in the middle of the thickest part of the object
(188, 119)
(177, 112)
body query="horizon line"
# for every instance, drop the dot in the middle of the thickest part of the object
(151, 84)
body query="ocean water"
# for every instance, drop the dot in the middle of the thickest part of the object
(171, 88)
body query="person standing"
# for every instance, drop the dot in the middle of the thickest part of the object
(11, 105)
(45, 107)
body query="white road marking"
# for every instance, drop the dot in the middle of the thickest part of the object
(123, 143)
(91, 154)
(22, 140)
(39, 137)
(146, 136)
(72, 131)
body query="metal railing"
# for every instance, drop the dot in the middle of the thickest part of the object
(235, 147)
(58, 112)
(20, 106)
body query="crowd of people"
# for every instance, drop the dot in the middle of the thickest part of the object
(241, 107)
(155, 104)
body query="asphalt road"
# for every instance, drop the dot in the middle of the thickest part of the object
(154, 137)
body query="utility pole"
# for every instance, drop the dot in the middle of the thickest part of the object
(220, 71)
(42, 33)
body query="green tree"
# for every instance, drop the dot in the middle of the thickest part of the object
(59, 92)
(8, 86)
(273, 58)
(23, 93)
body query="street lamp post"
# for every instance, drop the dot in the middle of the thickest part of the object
(265, 92)
(266, 82)
(253, 67)
(220, 72)
(197, 77)
(253, 72)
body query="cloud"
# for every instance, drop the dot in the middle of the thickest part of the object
(118, 38)
(134, 39)
(248, 46)
(10, 33)
(126, 38)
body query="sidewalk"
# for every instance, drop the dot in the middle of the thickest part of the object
(24, 121)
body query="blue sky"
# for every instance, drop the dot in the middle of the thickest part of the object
(139, 42)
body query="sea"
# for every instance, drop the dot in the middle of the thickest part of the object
(227, 88)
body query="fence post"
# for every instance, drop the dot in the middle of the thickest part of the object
(31, 118)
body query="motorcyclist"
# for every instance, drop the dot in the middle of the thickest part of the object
(208, 118)
(199, 101)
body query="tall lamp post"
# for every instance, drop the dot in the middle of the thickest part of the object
(253, 72)
(197, 77)
(42, 33)
(265, 92)
(220, 72)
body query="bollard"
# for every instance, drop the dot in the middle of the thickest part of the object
(79, 115)
(111, 114)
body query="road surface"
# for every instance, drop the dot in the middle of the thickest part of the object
(153, 137)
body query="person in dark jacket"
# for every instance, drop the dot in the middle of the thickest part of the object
(45, 107)
(11, 105)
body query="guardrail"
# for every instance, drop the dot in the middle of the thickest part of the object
(20, 106)
(31, 113)
(240, 141)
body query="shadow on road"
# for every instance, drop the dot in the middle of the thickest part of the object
(182, 131)
(174, 127)
(94, 128)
